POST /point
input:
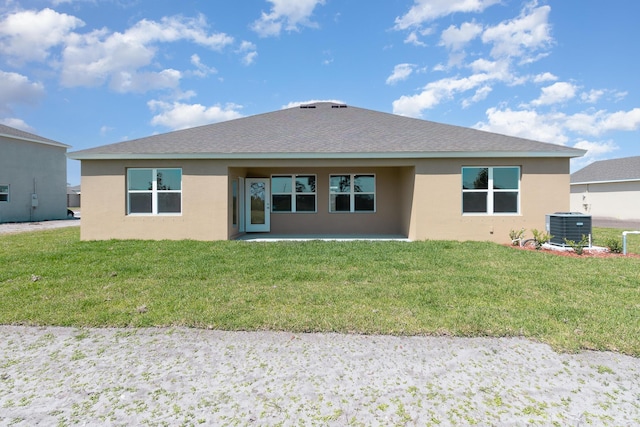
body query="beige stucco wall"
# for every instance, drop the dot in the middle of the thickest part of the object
(617, 200)
(29, 167)
(437, 206)
(385, 220)
(204, 203)
(418, 199)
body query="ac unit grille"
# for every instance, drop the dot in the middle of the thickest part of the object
(568, 225)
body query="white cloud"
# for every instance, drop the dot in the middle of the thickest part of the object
(17, 123)
(175, 28)
(249, 58)
(428, 10)
(544, 77)
(522, 36)
(29, 35)
(599, 122)
(248, 49)
(622, 120)
(286, 14)
(526, 124)
(293, 104)
(454, 38)
(436, 92)
(556, 93)
(104, 130)
(619, 96)
(499, 69)
(595, 151)
(202, 70)
(100, 56)
(557, 127)
(400, 72)
(178, 115)
(413, 39)
(18, 89)
(592, 96)
(59, 2)
(480, 95)
(141, 82)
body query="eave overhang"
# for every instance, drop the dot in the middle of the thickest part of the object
(36, 141)
(610, 181)
(323, 156)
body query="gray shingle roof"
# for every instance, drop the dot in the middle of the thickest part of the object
(10, 132)
(626, 168)
(324, 130)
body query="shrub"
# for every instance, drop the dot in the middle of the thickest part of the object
(614, 244)
(578, 247)
(540, 237)
(516, 236)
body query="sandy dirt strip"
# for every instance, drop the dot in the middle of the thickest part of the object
(177, 376)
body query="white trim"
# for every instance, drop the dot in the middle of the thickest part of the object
(23, 138)
(294, 193)
(352, 193)
(320, 156)
(491, 191)
(266, 226)
(154, 193)
(612, 181)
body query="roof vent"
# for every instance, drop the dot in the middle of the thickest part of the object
(307, 106)
(339, 106)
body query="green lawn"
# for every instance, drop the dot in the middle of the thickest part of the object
(432, 288)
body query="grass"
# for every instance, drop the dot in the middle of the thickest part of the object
(602, 235)
(419, 288)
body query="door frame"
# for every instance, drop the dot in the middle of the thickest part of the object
(265, 227)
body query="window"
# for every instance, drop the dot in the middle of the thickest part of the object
(293, 193)
(154, 191)
(352, 193)
(490, 190)
(4, 193)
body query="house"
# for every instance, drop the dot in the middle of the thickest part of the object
(322, 169)
(608, 189)
(73, 196)
(33, 177)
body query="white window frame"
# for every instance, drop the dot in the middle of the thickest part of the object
(352, 193)
(154, 193)
(293, 193)
(5, 193)
(490, 191)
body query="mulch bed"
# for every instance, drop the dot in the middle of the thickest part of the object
(585, 254)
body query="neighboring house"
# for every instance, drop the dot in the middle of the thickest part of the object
(608, 189)
(33, 177)
(73, 196)
(322, 169)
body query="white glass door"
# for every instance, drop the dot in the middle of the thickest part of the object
(257, 205)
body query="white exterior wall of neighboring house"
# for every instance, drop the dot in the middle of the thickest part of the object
(616, 200)
(73, 196)
(28, 168)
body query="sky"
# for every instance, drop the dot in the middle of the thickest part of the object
(93, 72)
